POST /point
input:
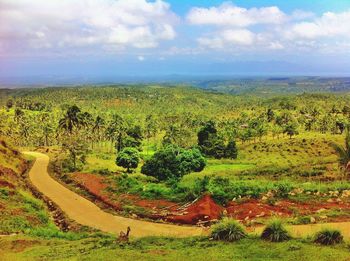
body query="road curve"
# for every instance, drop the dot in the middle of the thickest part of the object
(86, 213)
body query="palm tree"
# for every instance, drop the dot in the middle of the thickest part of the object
(116, 130)
(71, 119)
(97, 128)
(344, 153)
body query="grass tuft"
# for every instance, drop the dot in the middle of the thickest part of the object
(228, 230)
(328, 237)
(275, 232)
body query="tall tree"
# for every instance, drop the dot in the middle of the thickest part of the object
(71, 120)
(128, 158)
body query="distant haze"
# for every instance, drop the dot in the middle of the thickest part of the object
(102, 41)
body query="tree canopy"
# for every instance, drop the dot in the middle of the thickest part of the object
(173, 162)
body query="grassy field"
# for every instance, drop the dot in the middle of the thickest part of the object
(307, 161)
(152, 248)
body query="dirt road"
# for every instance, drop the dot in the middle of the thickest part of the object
(86, 213)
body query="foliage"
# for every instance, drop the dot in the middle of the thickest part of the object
(228, 230)
(72, 119)
(77, 151)
(328, 237)
(173, 162)
(211, 144)
(275, 232)
(128, 158)
(283, 189)
(231, 151)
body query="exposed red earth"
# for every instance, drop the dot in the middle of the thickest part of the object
(204, 210)
(201, 211)
(95, 186)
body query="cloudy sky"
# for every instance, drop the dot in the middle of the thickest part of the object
(103, 38)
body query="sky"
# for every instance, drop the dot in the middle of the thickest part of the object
(111, 39)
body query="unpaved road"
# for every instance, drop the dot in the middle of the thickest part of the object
(86, 213)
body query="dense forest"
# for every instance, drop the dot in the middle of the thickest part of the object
(38, 117)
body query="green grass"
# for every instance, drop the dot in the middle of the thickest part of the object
(273, 164)
(23, 212)
(99, 161)
(154, 248)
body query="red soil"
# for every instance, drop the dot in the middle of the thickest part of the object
(203, 210)
(95, 185)
(252, 209)
(155, 204)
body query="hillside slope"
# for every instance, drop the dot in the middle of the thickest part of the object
(19, 210)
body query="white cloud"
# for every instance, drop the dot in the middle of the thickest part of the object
(276, 46)
(328, 25)
(140, 58)
(241, 37)
(80, 23)
(230, 27)
(228, 14)
(301, 15)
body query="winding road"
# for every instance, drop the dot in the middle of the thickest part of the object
(87, 213)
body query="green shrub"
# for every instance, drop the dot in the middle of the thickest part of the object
(128, 184)
(282, 189)
(173, 162)
(228, 230)
(275, 232)
(128, 158)
(328, 237)
(156, 191)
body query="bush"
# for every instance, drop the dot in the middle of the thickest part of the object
(328, 237)
(173, 162)
(128, 158)
(127, 184)
(228, 230)
(283, 189)
(275, 232)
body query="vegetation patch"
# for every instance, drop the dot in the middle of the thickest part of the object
(328, 237)
(228, 230)
(275, 232)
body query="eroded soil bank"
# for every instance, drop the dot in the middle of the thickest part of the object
(205, 210)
